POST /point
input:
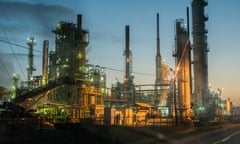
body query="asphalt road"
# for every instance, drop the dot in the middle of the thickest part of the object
(228, 134)
(225, 134)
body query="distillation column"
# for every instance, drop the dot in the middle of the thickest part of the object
(200, 62)
(183, 65)
(30, 69)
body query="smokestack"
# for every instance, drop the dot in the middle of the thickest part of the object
(189, 45)
(158, 39)
(158, 57)
(159, 76)
(45, 62)
(79, 22)
(128, 79)
(127, 54)
(188, 31)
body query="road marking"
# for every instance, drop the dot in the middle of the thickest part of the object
(226, 138)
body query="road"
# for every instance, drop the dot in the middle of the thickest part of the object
(228, 134)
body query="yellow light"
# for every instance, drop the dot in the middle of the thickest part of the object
(177, 68)
(91, 79)
(81, 69)
(128, 60)
(59, 26)
(102, 90)
(102, 78)
(44, 81)
(79, 56)
(14, 88)
(125, 80)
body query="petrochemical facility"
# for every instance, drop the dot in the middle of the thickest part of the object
(72, 90)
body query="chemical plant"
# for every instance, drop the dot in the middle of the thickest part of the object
(72, 90)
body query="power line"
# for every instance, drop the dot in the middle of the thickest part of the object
(4, 67)
(11, 43)
(113, 69)
(5, 34)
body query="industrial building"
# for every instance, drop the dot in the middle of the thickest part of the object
(192, 94)
(71, 89)
(68, 87)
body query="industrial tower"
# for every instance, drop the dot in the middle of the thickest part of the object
(183, 71)
(158, 57)
(71, 43)
(200, 50)
(128, 79)
(83, 83)
(30, 69)
(45, 62)
(158, 99)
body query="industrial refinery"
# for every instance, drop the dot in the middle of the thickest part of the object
(71, 90)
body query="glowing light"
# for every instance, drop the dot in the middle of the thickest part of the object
(128, 60)
(102, 78)
(13, 88)
(67, 60)
(79, 56)
(102, 90)
(81, 68)
(177, 68)
(201, 108)
(91, 80)
(59, 26)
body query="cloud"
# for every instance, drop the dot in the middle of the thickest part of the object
(22, 17)
(101, 36)
(18, 20)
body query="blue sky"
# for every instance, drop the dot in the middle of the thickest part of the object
(106, 20)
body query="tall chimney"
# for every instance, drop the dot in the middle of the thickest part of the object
(79, 22)
(158, 57)
(127, 54)
(45, 62)
(158, 37)
(128, 79)
(159, 75)
(189, 52)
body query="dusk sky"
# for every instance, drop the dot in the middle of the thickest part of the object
(106, 20)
